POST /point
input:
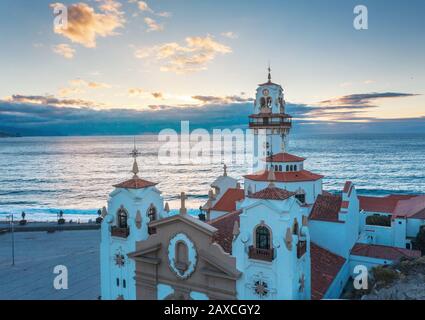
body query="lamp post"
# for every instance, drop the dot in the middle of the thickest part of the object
(12, 231)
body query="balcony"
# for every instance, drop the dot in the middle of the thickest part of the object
(267, 122)
(120, 232)
(261, 254)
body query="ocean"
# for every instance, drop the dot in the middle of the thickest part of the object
(43, 175)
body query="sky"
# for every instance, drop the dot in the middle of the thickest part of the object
(128, 66)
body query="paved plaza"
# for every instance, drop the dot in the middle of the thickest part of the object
(37, 254)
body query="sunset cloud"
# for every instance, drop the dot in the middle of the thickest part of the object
(85, 24)
(50, 101)
(153, 25)
(365, 98)
(64, 50)
(222, 100)
(191, 57)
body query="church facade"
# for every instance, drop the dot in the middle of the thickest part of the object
(280, 237)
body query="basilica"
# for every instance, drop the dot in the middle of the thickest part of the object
(276, 235)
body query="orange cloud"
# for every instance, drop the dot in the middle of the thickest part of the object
(192, 57)
(64, 50)
(85, 25)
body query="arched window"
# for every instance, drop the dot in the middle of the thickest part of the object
(182, 256)
(152, 217)
(152, 213)
(262, 238)
(280, 168)
(263, 102)
(269, 102)
(295, 227)
(295, 168)
(287, 168)
(122, 218)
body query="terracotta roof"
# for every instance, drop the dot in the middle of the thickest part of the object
(326, 208)
(227, 202)
(224, 226)
(383, 252)
(272, 193)
(284, 157)
(413, 208)
(135, 183)
(325, 266)
(297, 176)
(382, 204)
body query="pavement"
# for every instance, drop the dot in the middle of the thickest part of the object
(36, 256)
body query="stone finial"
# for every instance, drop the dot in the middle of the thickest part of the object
(271, 177)
(236, 230)
(104, 212)
(167, 207)
(269, 77)
(225, 170)
(135, 153)
(288, 239)
(183, 198)
(135, 169)
(138, 219)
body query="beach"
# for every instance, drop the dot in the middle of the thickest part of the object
(36, 256)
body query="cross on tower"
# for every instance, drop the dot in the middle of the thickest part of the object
(183, 198)
(135, 153)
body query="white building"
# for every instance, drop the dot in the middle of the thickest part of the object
(281, 237)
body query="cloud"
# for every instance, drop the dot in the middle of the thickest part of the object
(192, 57)
(230, 35)
(85, 24)
(47, 115)
(64, 50)
(143, 6)
(153, 25)
(78, 86)
(157, 95)
(49, 100)
(164, 14)
(365, 98)
(222, 100)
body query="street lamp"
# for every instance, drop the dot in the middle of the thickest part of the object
(12, 231)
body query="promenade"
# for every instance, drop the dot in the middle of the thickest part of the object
(36, 255)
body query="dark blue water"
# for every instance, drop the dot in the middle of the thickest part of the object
(43, 175)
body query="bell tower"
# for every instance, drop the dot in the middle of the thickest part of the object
(269, 122)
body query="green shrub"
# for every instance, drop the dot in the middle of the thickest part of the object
(377, 220)
(383, 275)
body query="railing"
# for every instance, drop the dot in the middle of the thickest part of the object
(120, 232)
(261, 254)
(266, 122)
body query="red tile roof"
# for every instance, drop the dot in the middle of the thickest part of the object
(325, 266)
(326, 208)
(227, 202)
(272, 193)
(224, 226)
(135, 183)
(413, 208)
(297, 176)
(383, 252)
(284, 157)
(386, 204)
